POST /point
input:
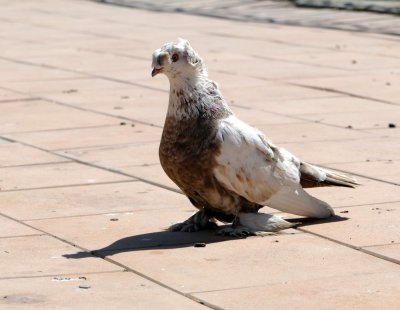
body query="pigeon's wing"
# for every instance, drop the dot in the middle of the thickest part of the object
(252, 167)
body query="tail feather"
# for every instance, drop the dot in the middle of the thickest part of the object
(314, 176)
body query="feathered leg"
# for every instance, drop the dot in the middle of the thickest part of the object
(255, 224)
(199, 221)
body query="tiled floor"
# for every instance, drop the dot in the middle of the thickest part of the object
(84, 202)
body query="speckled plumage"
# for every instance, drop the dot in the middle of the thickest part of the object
(224, 166)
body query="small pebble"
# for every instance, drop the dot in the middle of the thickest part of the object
(113, 219)
(345, 211)
(276, 240)
(122, 123)
(199, 245)
(84, 286)
(391, 125)
(354, 62)
(349, 127)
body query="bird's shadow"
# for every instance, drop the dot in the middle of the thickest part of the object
(161, 240)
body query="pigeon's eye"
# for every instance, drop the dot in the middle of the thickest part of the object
(175, 57)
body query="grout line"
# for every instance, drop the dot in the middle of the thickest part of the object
(332, 90)
(60, 274)
(124, 267)
(357, 248)
(97, 214)
(95, 76)
(65, 186)
(57, 129)
(377, 245)
(18, 100)
(21, 236)
(36, 164)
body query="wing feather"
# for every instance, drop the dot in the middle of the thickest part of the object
(251, 166)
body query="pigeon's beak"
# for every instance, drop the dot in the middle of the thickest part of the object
(156, 71)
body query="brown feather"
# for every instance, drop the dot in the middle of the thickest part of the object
(310, 176)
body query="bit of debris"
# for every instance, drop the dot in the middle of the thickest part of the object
(388, 84)
(124, 97)
(132, 125)
(84, 286)
(349, 127)
(344, 211)
(118, 108)
(70, 91)
(276, 240)
(391, 125)
(122, 123)
(82, 278)
(114, 219)
(199, 245)
(354, 62)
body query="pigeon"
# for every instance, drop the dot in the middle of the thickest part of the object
(228, 169)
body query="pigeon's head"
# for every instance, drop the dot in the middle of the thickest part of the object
(177, 60)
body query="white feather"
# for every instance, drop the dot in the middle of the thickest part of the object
(254, 168)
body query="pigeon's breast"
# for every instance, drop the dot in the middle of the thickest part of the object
(187, 151)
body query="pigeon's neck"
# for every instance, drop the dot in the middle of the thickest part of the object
(197, 97)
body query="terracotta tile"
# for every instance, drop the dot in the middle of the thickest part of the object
(14, 73)
(368, 193)
(9, 228)
(152, 172)
(86, 200)
(65, 86)
(112, 290)
(365, 120)
(116, 156)
(133, 230)
(333, 104)
(134, 102)
(26, 155)
(6, 95)
(60, 174)
(368, 291)
(46, 259)
(259, 118)
(280, 70)
(41, 115)
(307, 257)
(326, 152)
(343, 59)
(269, 95)
(307, 132)
(376, 85)
(364, 225)
(123, 133)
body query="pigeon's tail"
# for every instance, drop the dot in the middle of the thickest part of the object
(259, 222)
(314, 176)
(297, 201)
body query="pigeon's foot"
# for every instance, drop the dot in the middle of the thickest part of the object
(199, 221)
(241, 231)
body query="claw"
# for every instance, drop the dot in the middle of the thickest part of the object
(241, 231)
(197, 222)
